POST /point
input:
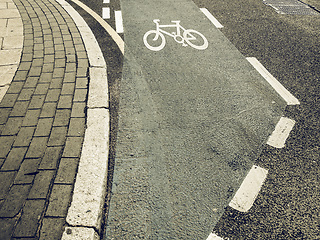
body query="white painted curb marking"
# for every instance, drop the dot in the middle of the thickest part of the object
(119, 22)
(90, 186)
(280, 89)
(211, 18)
(249, 189)
(281, 132)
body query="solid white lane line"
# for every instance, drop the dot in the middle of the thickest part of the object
(211, 18)
(106, 13)
(119, 23)
(279, 136)
(213, 236)
(249, 189)
(280, 89)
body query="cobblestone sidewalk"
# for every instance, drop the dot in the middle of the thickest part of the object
(42, 121)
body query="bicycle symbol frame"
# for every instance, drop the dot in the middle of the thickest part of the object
(185, 39)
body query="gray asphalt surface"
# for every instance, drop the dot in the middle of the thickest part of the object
(288, 46)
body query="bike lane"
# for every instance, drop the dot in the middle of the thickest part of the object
(191, 124)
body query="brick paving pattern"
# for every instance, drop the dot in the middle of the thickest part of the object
(42, 123)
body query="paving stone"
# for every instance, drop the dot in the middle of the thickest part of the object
(57, 136)
(58, 73)
(78, 109)
(48, 68)
(70, 77)
(26, 94)
(25, 65)
(6, 227)
(67, 88)
(8, 100)
(80, 95)
(19, 109)
(31, 82)
(35, 71)
(12, 126)
(67, 170)
(53, 95)
(52, 228)
(51, 158)
(14, 200)
(37, 147)
(41, 184)
(59, 63)
(76, 127)
(4, 114)
(62, 117)
(44, 127)
(73, 147)
(30, 219)
(14, 159)
(24, 137)
(20, 76)
(71, 67)
(48, 110)
(82, 82)
(37, 62)
(48, 59)
(6, 179)
(42, 89)
(56, 83)
(15, 87)
(59, 200)
(27, 171)
(5, 145)
(46, 77)
(65, 101)
(37, 101)
(31, 118)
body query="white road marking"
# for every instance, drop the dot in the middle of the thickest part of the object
(280, 89)
(106, 13)
(279, 136)
(213, 236)
(119, 22)
(118, 40)
(211, 18)
(106, 1)
(249, 189)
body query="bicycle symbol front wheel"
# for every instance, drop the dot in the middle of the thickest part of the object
(152, 37)
(195, 39)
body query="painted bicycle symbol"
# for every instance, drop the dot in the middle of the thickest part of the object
(155, 40)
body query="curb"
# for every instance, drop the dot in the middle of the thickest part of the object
(85, 212)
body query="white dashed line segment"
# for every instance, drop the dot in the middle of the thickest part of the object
(280, 89)
(249, 189)
(211, 18)
(282, 130)
(213, 236)
(119, 22)
(106, 13)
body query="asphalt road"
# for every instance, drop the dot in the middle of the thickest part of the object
(288, 46)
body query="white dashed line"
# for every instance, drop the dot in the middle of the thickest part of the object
(211, 18)
(106, 13)
(249, 189)
(280, 89)
(279, 136)
(213, 236)
(106, 1)
(119, 23)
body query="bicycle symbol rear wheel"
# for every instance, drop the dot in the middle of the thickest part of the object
(198, 40)
(156, 44)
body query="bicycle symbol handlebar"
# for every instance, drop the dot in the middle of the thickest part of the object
(155, 40)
